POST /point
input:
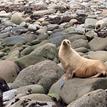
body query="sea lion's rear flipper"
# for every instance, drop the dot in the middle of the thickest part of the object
(62, 82)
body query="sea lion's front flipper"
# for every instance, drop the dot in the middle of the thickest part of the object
(66, 77)
(62, 82)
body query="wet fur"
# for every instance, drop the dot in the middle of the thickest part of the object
(76, 65)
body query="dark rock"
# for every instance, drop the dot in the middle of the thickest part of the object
(3, 85)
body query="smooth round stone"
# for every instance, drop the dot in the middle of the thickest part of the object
(32, 27)
(8, 70)
(23, 24)
(17, 18)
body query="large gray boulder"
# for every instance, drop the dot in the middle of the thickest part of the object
(44, 73)
(98, 44)
(47, 51)
(92, 99)
(77, 87)
(98, 55)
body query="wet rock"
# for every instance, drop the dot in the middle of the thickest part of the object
(98, 44)
(8, 70)
(17, 18)
(34, 74)
(73, 89)
(91, 99)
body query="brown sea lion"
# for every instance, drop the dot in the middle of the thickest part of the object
(76, 65)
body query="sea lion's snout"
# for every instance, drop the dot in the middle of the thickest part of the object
(64, 42)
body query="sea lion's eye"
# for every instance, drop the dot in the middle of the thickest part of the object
(68, 42)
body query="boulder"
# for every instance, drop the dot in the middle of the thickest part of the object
(8, 70)
(13, 55)
(27, 50)
(13, 40)
(33, 100)
(76, 37)
(98, 44)
(10, 95)
(31, 89)
(47, 51)
(98, 55)
(44, 73)
(92, 99)
(79, 43)
(81, 49)
(77, 87)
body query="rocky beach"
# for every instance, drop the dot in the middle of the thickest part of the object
(31, 32)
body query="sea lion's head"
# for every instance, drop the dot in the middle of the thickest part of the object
(66, 43)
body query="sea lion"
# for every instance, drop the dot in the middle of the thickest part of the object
(76, 65)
